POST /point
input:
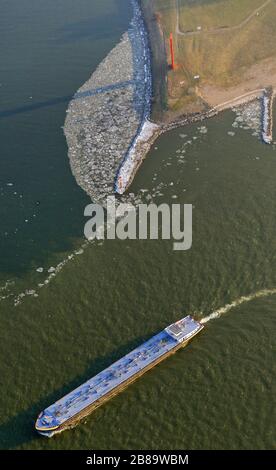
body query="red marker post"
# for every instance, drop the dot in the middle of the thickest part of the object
(172, 52)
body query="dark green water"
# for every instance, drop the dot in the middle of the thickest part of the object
(49, 48)
(219, 392)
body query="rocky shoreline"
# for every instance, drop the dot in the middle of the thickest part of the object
(107, 113)
(267, 115)
(140, 143)
(150, 132)
(108, 127)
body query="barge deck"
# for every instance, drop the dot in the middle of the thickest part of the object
(79, 403)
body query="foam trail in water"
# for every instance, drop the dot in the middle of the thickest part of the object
(6, 285)
(5, 290)
(236, 303)
(53, 273)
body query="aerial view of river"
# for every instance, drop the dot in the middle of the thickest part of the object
(69, 308)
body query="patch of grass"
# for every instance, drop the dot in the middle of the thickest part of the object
(215, 13)
(220, 58)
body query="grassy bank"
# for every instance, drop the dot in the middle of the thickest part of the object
(214, 14)
(216, 43)
(159, 59)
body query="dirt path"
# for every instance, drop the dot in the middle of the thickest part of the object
(220, 30)
(239, 99)
(256, 78)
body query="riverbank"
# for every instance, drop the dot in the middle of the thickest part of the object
(151, 131)
(108, 111)
(164, 121)
(267, 115)
(109, 126)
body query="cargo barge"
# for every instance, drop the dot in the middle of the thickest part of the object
(79, 403)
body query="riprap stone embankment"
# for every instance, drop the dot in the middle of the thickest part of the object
(108, 111)
(267, 115)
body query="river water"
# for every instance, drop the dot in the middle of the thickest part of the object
(58, 329)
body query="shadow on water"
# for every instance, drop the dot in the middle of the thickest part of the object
(19, 430)
(63, 99)
(93, 26)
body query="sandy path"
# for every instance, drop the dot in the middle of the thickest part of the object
(240, 99)
(255, 79)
